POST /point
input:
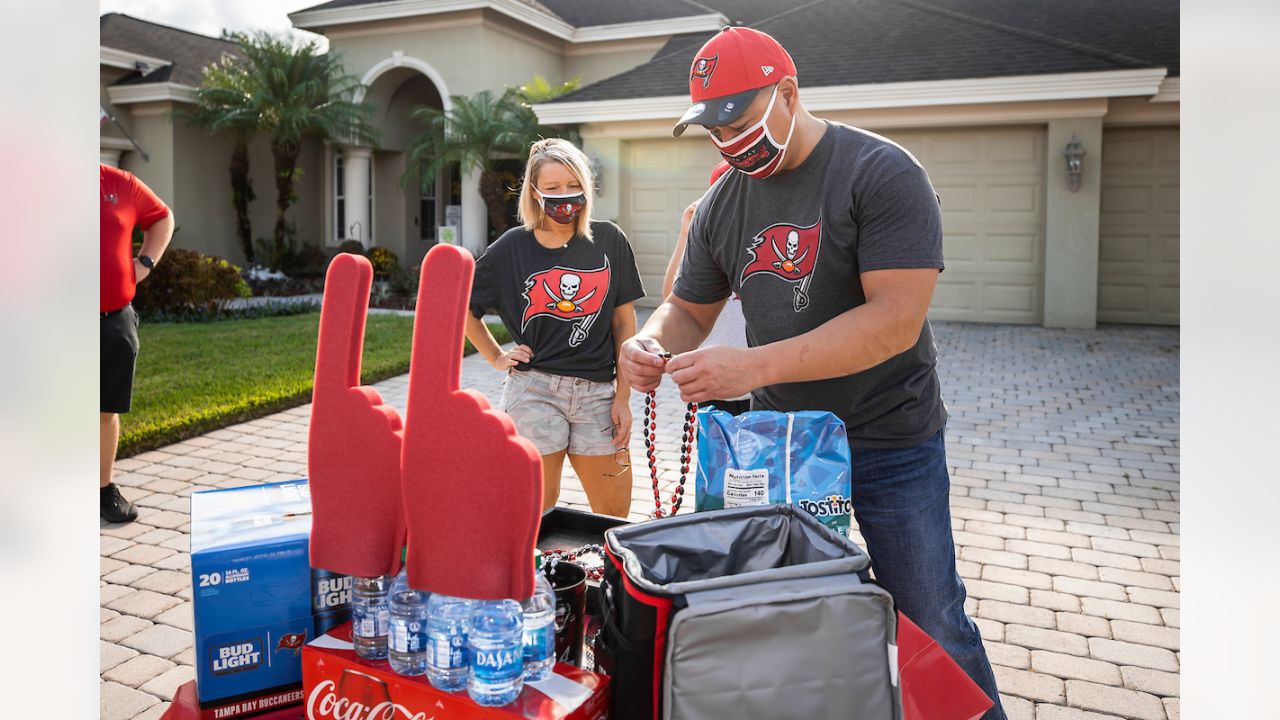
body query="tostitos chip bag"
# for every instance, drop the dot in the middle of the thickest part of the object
(766, 457)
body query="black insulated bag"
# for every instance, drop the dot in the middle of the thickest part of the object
(756, 612)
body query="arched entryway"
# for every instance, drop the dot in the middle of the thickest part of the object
(375, 198)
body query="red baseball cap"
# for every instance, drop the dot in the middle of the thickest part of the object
(728, 71)
(721, 169)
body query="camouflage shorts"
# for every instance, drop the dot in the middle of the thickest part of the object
(557, 412)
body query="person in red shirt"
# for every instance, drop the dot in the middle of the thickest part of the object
(126, 202)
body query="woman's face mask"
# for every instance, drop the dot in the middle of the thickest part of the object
(565, 208)
(754, 151)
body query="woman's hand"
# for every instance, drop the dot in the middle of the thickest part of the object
(621, 414)
(687, 216)
(504, 361)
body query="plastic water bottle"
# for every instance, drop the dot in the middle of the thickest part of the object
(369, 616)
(539, 627)
(497, 652)
(448, 656)
(408, 636)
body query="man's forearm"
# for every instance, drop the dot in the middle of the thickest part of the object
(854, 341)
(155, 239)
(623, 326)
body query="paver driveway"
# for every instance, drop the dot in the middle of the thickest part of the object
(1063, 448)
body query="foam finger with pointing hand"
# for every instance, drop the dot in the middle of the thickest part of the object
(353, 448)
(472, 486)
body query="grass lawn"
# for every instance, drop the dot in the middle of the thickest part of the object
(196, 377)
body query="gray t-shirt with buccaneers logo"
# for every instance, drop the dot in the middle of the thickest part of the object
(793, 247)
(559, 301)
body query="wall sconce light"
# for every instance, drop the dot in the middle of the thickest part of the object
(1075, 163)
(597, 172)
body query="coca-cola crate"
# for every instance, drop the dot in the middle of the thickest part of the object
(340, 686)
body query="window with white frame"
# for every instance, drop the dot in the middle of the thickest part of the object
(428, 211)
(339, 201)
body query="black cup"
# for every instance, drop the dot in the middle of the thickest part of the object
(570, 584)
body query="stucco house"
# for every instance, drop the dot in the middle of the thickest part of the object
(987, 94)
(148, 74)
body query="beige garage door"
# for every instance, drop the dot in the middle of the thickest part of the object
(992, 188)
(660, 178)
(991, 182)
(1138, 237)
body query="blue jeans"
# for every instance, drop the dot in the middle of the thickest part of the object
(901, 500)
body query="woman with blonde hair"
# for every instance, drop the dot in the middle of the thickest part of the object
(565, 287)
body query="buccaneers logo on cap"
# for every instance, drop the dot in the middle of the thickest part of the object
(567, 294)
(702, 68)
(292, 641)
(789, 252)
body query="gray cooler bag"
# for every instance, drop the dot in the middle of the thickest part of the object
(756, 612)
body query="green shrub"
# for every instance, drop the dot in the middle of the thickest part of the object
(404, 283)
(295, 259)
(355, 247)
(186, 281)
(305, 261)
(251, 312)
(384, 262)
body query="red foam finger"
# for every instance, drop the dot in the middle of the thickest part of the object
(353, 448)
(472, 486)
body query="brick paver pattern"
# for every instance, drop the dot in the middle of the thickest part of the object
(1063, 448)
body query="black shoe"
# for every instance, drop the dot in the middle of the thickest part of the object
(114, 508)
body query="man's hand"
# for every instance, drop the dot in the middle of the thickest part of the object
(140, 271)
(718, 372)
(642, 363)
(621, 414)
(504, 361)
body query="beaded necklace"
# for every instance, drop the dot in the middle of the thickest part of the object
(595, 572)
(651, 448)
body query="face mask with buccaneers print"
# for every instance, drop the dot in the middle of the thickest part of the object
(754, 151)
(564, 209)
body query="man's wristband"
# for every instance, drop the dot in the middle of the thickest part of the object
(147, 262)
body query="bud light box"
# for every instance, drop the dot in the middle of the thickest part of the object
(340, 686)
(256, 599)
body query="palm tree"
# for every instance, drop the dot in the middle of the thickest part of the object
(475, 133)
(299, 92)
(224, 104)
(539, 90)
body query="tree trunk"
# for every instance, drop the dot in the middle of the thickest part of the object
(285, 155)
(495, 201)
(242, 195)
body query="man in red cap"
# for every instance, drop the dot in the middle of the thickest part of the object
(832, 238)
(126, 202)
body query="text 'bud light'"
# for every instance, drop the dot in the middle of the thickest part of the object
(329, 591)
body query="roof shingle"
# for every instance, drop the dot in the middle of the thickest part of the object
(188, 53)
(590, 13)
(854, 42)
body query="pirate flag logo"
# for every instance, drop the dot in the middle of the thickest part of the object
(292, 641)
(702, 69)
(568, 294)
(789, 252)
